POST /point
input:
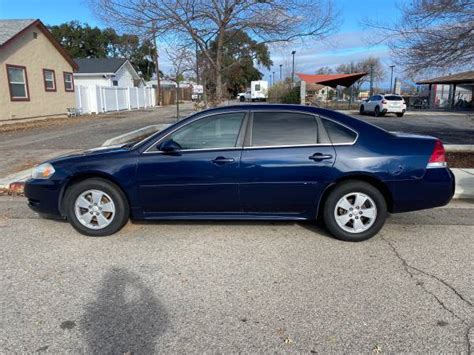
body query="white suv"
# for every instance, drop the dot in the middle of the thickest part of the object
(381, 104)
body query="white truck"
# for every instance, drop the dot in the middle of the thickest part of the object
(258, 92)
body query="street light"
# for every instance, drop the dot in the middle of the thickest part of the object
(293, 68)
(273, 78)
(391, 79)
(280, 70)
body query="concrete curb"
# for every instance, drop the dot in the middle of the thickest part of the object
(455, 148)
(138, 133)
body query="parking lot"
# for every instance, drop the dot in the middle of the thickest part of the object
(224, 287)
(450, 127)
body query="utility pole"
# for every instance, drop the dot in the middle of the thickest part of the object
(197, 64)
(281, 65)
(391, 79)
(157, 68)
(371, 79)
(273, 78)
(352, 86)
(293, 67)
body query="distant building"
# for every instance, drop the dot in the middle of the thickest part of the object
(36, 74)
(106, 72)
(451, 91)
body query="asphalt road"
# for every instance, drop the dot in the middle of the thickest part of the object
(450, 128)
(229, 287)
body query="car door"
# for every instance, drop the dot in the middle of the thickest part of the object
(286, 162)
(370, 105)
(202, 175)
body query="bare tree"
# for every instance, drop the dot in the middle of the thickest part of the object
(431, 35)
(182, 60)
(202, 22)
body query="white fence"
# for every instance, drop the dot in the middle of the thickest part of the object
(98, 99)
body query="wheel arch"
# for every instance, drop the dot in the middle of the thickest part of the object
(374, 181)
(88, 175)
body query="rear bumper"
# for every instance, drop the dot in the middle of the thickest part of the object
(44, 196)
(388, 109)
(435, 189)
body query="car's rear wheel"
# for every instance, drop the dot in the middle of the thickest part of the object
(400, 114)
(96, 207)
(355, 211)
(361, 110)
(377, 111)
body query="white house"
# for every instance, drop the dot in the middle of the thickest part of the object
(106, 72)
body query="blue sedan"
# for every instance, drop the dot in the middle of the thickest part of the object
(253, 162)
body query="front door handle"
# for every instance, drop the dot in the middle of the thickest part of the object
(320, 156)
(223, 160)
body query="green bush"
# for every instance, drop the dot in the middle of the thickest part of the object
(284, 93)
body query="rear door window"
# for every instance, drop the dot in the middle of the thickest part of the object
(283, 129)
(339, 134)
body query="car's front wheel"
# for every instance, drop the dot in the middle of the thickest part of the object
(96, 207)
(242, 98)
(355, 211)
(361, 109)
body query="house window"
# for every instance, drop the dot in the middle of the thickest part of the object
(115, 82)
(68, 82)
(18, 83)
(49, 80)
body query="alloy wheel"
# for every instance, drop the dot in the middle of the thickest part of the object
(355, 212)
(94, 209)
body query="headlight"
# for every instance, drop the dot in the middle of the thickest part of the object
(43, 171)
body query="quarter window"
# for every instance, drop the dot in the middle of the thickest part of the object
(18, 83)
(339, 134)
(49, 80)
(68, 82)
(219, 131)
(283, 129)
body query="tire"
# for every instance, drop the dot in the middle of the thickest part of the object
(242, 98)
(400, 114)
(346, 192)
(89, 191)
(377, 111)
(361, 109)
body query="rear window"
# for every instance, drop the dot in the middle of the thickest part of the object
(393, 98)
(339, 134)
(283, 128)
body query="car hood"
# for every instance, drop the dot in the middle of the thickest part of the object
(113, 149)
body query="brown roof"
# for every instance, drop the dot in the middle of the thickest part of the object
(332, 80)
(459, 78)
(14, 28)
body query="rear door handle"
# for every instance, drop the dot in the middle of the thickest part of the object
(320, 156)
(223, 160)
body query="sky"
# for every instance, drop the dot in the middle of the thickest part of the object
(349, 43)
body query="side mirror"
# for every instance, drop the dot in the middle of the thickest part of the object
(169, 146)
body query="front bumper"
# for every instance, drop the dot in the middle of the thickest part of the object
(44, 196)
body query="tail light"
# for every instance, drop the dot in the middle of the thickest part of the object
(438, 157)
(384, 101)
